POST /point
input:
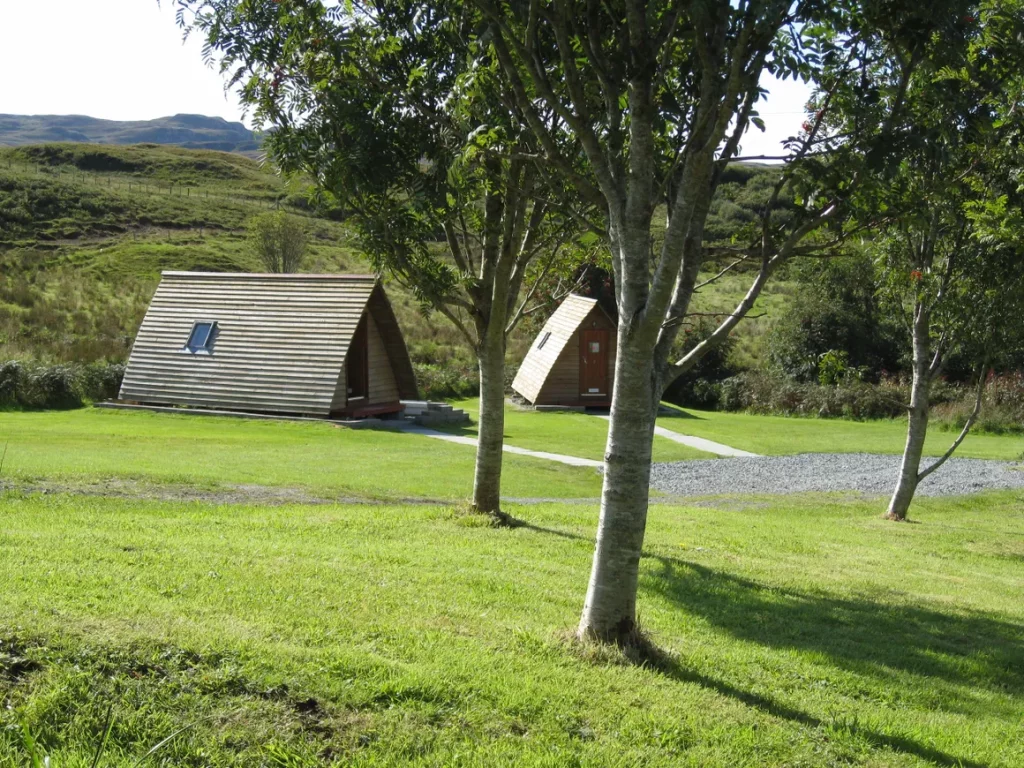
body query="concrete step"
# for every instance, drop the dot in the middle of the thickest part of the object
(433, 414)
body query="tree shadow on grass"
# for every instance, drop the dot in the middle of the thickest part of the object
(776, 709)
(858, 634)
(861, 635)
(667, 410)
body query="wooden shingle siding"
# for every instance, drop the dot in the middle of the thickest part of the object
(394, 345)
(550, 375)
(280, 345)
(383, 388)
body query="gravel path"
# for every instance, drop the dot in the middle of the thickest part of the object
(864, 472)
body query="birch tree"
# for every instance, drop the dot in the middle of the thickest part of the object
(382, 104)
(656, 96)
(951, 249)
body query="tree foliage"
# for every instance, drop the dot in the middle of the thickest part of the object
(278, 240)
(388, 108)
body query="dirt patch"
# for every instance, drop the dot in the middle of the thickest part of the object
(16, 661)
(263, 495)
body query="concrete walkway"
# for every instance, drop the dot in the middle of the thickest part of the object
(573, 461)
(708, 446)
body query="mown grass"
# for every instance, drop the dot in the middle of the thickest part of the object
(784, 435)
(573, 434)
(802, 633)
(87, 445)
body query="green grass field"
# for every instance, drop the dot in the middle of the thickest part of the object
(782, 435)
(809, 633)
(574, 434)
(89, 445)
(136, 601)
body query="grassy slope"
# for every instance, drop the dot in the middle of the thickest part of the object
(574, 434)
(86, 229)
(809, 633)
(781, 435)
(89, 445)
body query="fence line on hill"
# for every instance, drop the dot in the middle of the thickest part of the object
(135, 186)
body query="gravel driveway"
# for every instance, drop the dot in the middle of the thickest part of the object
(864, 472)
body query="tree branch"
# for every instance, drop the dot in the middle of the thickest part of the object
(978, 397)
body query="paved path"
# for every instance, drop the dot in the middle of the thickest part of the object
(574, 461)
(708, 446)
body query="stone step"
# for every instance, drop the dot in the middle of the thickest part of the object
(434, 414)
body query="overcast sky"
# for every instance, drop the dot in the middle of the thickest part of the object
(125, 60)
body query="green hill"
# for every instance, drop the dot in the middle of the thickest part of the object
(85, 230)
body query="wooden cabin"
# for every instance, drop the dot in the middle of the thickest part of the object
(311, 345)
(572, 361)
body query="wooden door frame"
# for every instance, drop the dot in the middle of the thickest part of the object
(604, 335)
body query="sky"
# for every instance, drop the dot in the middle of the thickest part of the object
(125, 60)
(112, 59)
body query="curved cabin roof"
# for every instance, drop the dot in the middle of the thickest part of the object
(549, 344)
(278, 342)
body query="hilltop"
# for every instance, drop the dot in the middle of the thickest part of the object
(191, 131)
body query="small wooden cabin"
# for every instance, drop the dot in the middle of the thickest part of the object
(312, 345)
(572, 361)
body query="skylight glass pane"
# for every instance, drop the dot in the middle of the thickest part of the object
(200, 336)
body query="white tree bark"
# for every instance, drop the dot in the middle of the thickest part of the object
(917, 423)
(609, 613)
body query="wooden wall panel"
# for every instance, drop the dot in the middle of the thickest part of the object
(280, 346)
(383, 387)
(550, 374)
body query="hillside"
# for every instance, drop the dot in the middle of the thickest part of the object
(192, 131)
(86, 229)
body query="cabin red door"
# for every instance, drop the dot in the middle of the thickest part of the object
(593, 363)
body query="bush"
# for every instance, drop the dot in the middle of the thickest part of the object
(836, 323)
(26, 385)
(1002, 409)
(772, 393)
(700, 387)
(440, 382)
(10, 380)
(762, 392)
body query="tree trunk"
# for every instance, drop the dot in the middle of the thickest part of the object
(917, 423)
(609, 613)
(491, 427)
(910, 467)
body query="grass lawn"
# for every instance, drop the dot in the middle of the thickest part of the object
(783, 435)
(807, 632)
(567, 432)
(88, 444)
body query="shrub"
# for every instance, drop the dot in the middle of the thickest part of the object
(835, 323)
(278, 240)
(440, 382)
(54, 386)
(27, 385)
(763, 392)
(10, 382)
(1002, 410)
(700, 387)
(102, 381)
